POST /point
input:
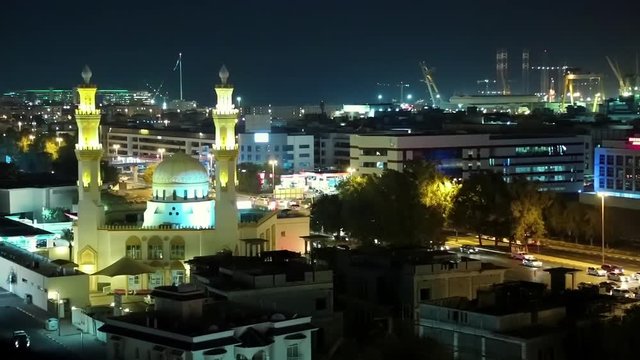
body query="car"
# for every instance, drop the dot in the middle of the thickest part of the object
(593, 271)
(531, 261)
(612, 268)
(607, 286)
(519, 255)
(469, 249)
(623, 293)
(617, 277)
(20, 340)
(636, 276)
(587, 286)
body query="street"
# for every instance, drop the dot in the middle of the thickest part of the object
(15, 315)
(550, 258)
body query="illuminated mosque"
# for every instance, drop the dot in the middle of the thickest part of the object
(181, 221)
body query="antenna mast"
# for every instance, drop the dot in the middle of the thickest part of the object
(179, 64)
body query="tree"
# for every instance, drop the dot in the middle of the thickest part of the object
(527, 205)
(248, 180)
(482, 205)
(52, 148)
(147, 176)
(326, 214)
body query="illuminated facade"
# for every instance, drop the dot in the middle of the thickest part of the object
(617, 168)
(181, 220)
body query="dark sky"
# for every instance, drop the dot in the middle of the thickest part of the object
(304, 51)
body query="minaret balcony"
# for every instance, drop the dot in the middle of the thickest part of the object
(87, 112)
(91, 147)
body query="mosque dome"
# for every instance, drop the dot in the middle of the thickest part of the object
(180, 169)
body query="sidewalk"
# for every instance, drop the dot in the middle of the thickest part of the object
(84, 346)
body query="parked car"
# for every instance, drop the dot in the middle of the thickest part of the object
(468, 249)
(587, 286)
(620, 292)
(612, 268)
(20, 340)
(519, 255)
(595, 271)
(531, 261)
(606, 287)
(617, 277)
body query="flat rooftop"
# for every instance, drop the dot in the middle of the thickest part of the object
(10, 228)
(32, 261)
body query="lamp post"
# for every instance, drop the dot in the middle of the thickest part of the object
(161, 152)
(273, 164)
(115, 150)
(58, 310)
(59, 140)
(602, 196)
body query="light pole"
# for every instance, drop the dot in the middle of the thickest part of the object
(238, 99)
(161, 152)
(58, 310)
(273, 164)
(379, 97)
(602, 196)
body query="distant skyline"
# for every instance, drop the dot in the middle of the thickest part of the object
(302, 52)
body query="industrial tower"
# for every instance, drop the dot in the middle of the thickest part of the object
(225, 151)
(88, 152)
(526, 67)
(502, 69)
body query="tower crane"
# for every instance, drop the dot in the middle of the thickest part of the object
(427, 74)
(624, 86)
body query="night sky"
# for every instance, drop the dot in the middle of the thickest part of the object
(304, 51)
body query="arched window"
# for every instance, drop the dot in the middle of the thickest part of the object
(185, 194)
(154, 248)
(260, 355)
(174, 195)
(177, 248)
(134, 248)
(241, 357)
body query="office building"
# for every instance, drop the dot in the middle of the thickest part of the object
(293, 152)
(557, 162)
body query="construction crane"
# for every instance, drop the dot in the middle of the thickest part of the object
(624, 83)
(427, 74)
(624, 87)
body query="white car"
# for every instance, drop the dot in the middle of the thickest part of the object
(595, 271)
(623, 293)
(531, 261)
(617, 277)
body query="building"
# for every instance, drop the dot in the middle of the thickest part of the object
(42, 282)
(557, 162)
(617, 168)
(182, 221)
(398, 280)
(32, 200)
(268, 280)
(184, 325)
(332, 151)
(293, 152)
(69, 97)
(156, 143)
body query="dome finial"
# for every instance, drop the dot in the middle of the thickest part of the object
(86, 74)
(224, 74)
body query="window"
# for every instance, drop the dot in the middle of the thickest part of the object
(258, 148)
(276, 148)
(425, 294)
(177, 277)
(134, 251)
(249, 148)
(288, 148)
(177, 250)
(156, 279)
(154, 249)
(241, 147)
(293, 352)
(321, 304)
(305, 146)
(257, 157)
(304, 155)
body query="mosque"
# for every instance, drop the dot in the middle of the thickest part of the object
(181, 221)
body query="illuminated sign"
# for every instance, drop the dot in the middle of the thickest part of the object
(634, 140)
(261, 137)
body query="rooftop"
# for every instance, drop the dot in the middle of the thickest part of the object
(10, 228)
(35, 262)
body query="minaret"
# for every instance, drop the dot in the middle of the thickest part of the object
(89, 152)
(225, 151)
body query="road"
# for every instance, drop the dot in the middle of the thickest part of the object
(42, 347)
(550, 258)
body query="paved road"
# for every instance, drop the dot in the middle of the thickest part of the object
(550, 258)
(42, 347)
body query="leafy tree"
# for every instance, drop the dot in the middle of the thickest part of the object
(66, 164)
(52, 148)
(248, 180)
(527, 205)
(326, 214)
(482, 205)
(147, 176)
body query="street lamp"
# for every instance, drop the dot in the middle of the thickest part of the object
(379, 97)
(59, 140)
(161, 152)
(409, 97)
(273, 164)
(238, 99)
(115, 150)
(602, 196)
